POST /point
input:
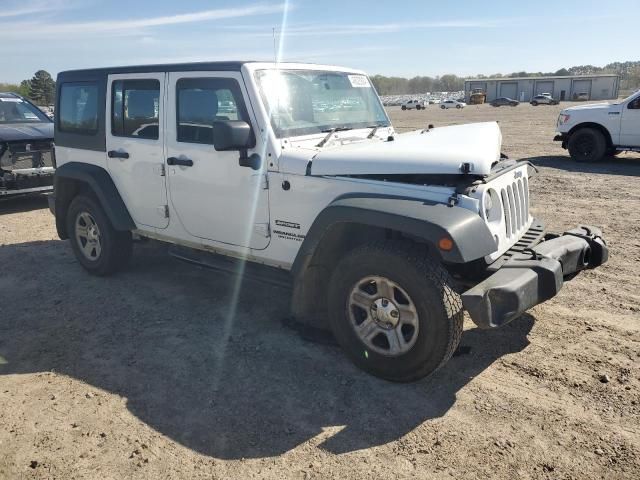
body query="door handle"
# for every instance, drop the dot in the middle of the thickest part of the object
(117, 154)
(183, 162)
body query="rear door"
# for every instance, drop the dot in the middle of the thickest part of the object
(630, 124)
(135, 144)
(213, 196)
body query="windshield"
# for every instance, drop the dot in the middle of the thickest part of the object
(16, 110)
(302, 102)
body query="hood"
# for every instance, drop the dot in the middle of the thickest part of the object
(591, 106)
(26, 131)
(438, 151)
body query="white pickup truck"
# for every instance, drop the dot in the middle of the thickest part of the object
(593, 132)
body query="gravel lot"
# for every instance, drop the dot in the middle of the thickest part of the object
(152, 374)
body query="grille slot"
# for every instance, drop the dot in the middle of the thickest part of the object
(515, 205)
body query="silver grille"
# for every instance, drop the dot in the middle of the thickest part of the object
(515, 205)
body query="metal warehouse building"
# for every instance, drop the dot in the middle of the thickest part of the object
(597, 87)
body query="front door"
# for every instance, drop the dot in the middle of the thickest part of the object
(212, 195)
(135, 144)
(630, 124)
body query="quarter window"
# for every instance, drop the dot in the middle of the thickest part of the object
(135, 108)
(203, 101)
(79, 108)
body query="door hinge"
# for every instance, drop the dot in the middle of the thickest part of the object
(163, 210)
(262, 229)
(265, 182)
(163, 170)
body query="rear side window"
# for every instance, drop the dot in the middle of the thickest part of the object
(135, 108)
(79, 108)
(203, 101)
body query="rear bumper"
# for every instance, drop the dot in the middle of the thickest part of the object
(534, 276)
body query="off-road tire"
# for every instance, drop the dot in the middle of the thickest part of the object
(587, 145)
(116, 246)
(429, 286)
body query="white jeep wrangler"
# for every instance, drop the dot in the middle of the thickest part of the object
(592, 132)
(296, 169)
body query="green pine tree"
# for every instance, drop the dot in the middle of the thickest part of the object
(42, 88)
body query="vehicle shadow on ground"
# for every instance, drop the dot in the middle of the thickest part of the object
(226, 381)
(22, 203)
(627, 164)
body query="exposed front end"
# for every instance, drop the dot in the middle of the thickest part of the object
(529, 266)
(26, 166)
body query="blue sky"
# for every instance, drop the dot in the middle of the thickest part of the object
(405, 38)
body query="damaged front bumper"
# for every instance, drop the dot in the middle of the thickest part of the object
(534, 275)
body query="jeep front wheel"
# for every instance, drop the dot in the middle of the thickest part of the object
(99, 248)
(393, 311)
(587, 145)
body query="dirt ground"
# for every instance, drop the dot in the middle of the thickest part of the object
(153, 373)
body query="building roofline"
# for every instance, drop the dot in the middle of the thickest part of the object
(559, 77)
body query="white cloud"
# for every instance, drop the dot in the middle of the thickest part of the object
(362, 29)
(34, 7)
(134, 26)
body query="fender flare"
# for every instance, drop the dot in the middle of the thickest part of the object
(421, 219)
(98, 180)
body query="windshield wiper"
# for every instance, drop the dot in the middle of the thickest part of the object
(329, 133)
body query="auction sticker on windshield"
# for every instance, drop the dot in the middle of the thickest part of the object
(359, 81)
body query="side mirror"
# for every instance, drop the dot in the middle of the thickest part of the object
(232, 135)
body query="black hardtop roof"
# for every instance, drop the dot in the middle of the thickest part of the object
(228, 66)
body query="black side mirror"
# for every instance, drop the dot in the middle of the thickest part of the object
(232, 135)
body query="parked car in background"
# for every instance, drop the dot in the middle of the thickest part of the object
(505, 101)
(544, 99)
(411, 104)
(593, 132)
(452, 104)
(26, 147)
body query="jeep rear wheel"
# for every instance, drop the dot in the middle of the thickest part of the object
(587, 145)
(393, 311)
(99, 248)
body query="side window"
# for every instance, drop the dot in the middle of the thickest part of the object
(203, 101)
(135, 108)
(634, 104)
(79, 108)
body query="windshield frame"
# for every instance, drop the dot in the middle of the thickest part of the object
(42, 117)
(320, 129)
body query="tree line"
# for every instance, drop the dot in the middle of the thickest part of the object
(40, 89)
(629, 79)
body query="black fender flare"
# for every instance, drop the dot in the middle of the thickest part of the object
(98, 181)
(428, 221)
